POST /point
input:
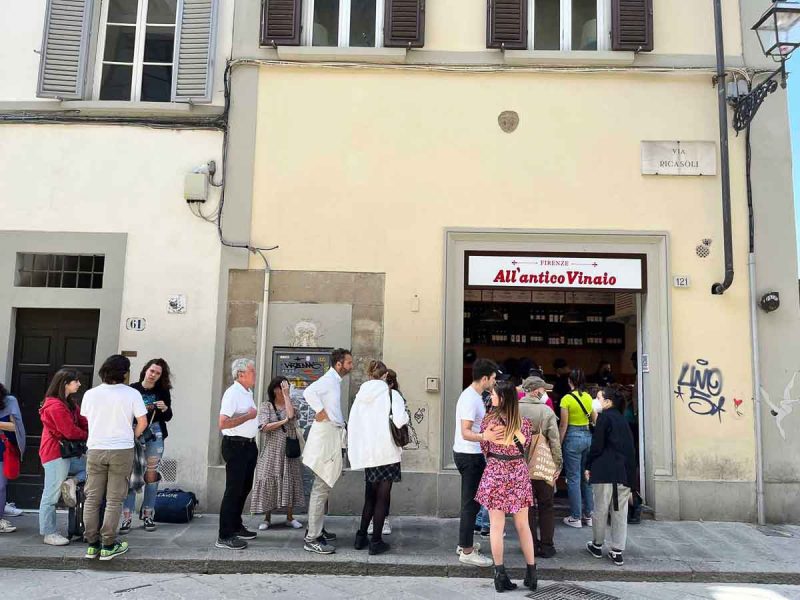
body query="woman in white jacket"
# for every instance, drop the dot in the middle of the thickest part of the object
(370, 446)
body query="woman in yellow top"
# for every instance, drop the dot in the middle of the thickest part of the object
(576, 414)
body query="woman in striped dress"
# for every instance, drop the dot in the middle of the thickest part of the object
(278, 479)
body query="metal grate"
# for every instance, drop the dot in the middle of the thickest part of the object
(169, 469)
(568, 591)
(60, 270)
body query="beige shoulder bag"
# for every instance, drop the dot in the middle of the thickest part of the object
(540, 458)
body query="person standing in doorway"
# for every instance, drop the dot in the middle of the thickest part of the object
(611, 469)
(61, 421)
(237, 422)
(576, 437)
(561, 386)
(109, 408)
(468, 456)
(323, 451)
(154, 385)
(543, 420)
(12, 431)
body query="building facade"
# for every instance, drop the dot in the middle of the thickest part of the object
(399, 147)
(100, 251)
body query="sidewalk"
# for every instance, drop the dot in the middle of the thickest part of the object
(657, 551)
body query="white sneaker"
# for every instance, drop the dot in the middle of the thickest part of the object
(263, 526)
(294, 524)
(55, 539)
(387, 529)
(587, 521)
(576, 523)
(12, 510)
(476, 546)
(69, 492)
(6, 527)
(475, 558)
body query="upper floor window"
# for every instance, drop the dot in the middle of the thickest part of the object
(344, 23)
(136, 50)
(146, 50)
(568, 25)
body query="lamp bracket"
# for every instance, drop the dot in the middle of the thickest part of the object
(746, 107)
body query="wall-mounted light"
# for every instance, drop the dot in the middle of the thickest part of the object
(770, 301)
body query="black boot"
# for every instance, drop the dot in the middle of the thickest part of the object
(530, 580)
(361, 540)
(501, 581)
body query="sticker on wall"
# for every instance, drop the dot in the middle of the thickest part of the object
(176, 304)
(508, 120)
(136, 324)
(306, 333)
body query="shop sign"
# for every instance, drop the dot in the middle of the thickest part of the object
(565, 272)
(679, 158)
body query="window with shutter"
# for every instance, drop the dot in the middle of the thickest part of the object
(632, 25)
(280, 22)
(507, 24)
(195, 48)
(64, 51)
(548, 24)
(404, 24)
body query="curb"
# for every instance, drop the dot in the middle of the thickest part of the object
(294, 567)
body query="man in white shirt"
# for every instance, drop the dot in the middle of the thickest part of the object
(323, 451)
(237, 422)
(469, 458)
(110, 409)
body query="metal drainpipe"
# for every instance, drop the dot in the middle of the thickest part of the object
(719, 288)
(760, 516)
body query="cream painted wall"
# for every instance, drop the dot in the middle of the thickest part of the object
(681, 26)
(21, 41)
(126, 179)
(368, 179)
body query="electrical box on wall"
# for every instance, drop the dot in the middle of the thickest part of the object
(195, 187)
(431, 384)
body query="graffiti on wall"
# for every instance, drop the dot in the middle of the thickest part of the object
(784, 409)
(699, 386)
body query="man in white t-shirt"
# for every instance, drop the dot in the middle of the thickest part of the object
(237, 422)
(110, 409)
(469, 458)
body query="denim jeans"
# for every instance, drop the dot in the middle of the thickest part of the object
(482, 520)
(153, 450)
(576, 451)
(55, 472)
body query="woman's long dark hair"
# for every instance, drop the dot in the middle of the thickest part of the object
(578, 379)
(58, 386)
(164, 382)
(275, 383)
(3, 394)
(391, 380)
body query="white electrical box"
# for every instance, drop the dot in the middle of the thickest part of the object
(195, 187)
(431, 384)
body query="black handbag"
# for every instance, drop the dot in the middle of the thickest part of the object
(292, 447)
(72, 448)
(400, 435)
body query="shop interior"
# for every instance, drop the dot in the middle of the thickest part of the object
(523, 330)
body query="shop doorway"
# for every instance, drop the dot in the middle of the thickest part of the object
(546, 314)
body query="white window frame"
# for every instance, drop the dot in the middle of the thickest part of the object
(603, 25)
(344, 24)
(138, 50)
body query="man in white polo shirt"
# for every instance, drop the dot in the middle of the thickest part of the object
(237, 422)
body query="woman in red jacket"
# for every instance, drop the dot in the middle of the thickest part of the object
(61, 420)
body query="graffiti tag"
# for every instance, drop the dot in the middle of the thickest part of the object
(704, 385)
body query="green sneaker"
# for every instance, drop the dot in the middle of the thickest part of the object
(93, 551)
(109, 552)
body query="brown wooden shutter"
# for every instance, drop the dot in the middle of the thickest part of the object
(632, 25)
(280, 22)
(507, 24)
(404, 24)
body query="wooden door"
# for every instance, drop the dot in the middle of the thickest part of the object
(46, 340)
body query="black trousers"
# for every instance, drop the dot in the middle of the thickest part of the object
(240, 464)
(471, 467)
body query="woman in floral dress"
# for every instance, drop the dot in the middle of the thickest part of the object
(505, 486)
(279, 480)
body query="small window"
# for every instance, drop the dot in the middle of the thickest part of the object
(569, 25)
(136, 50)
(344, 23)
(60, 270)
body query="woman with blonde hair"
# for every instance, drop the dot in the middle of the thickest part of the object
(505, 486)
(370, 446)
